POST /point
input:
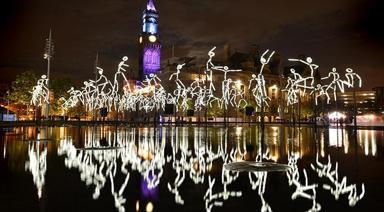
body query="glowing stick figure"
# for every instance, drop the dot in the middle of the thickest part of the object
(225, 84)
(308, 61)
(102, 82)
(177, 80)
(319, 91)
(208, 70)
(259, 91)
(181, 91)
(335, 83)
(264, 61)
(90, 93)
(102, 85)
(40, 92)
(292, 91)
(75, 96)
(120, 71)
(350, 75)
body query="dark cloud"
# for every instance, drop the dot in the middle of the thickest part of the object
(339, 33)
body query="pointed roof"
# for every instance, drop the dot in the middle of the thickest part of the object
(150, 5)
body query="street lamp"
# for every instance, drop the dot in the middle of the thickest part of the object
(7, 103)
(48, 54)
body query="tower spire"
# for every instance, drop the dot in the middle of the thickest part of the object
(150, 5)
(150, 46)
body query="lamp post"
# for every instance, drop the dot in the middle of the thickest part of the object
(96, 76)
(48, 54)
(7, 103)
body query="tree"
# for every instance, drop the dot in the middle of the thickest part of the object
(215, 110)
(59, 86)
(77, 111)
(20, 89)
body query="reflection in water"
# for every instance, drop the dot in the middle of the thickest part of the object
(146, 155)
(259, 183)
(96, 163)
(217, 199)
(338, 137)
(5, 149)
(302, 190)
(107, 158)
(37, 164)
(367, 139)
(337, 188)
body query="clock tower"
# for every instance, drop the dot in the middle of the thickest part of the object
(149, 44)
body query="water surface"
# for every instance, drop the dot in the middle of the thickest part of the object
(118, 168)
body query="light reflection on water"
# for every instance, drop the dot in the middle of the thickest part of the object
(106, 158)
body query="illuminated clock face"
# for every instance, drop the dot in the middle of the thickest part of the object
(152, 38)
(140, 39)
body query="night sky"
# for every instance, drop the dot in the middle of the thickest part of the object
(342, 33)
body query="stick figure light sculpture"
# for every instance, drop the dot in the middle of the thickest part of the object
(259, 91)
(40, 92)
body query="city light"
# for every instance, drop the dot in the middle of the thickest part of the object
(336, 115)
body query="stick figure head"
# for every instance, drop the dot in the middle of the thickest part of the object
(293, 71)
(309, 59)
(180, 66)
(333, 69)
(151, 75)
(43, 76)
(125, 58)
(100, 71)
(211, 53)
(349, 70)
(253, 75)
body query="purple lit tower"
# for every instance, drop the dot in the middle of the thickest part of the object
(150, 46)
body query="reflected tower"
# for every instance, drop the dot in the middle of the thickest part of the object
(149, 44)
